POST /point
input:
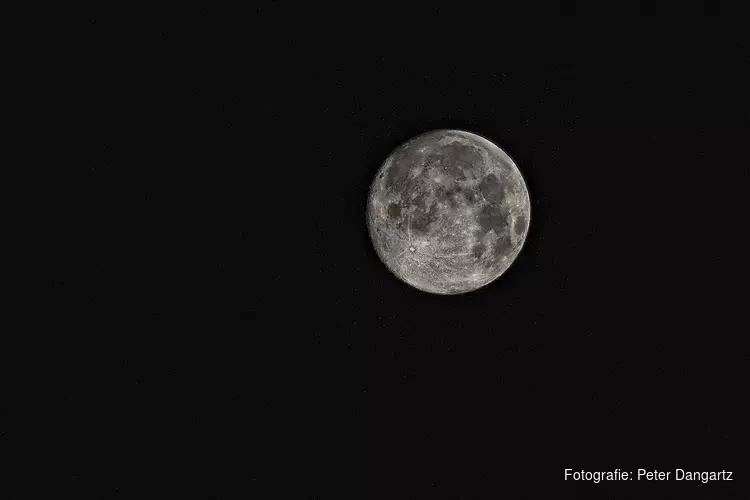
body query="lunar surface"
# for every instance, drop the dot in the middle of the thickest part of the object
(448, 212)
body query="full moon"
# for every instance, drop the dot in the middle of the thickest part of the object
(448, 212)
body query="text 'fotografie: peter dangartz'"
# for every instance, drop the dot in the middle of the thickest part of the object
(648, 475)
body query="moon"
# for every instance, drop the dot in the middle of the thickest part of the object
(448, 212)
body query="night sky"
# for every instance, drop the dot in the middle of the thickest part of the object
(222, 324)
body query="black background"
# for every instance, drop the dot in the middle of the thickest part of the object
(221, 326)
